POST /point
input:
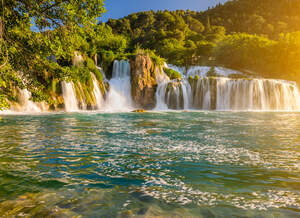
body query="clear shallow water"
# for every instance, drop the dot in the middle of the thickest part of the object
(168, 164)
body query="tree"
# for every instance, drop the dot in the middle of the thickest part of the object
(58, 23)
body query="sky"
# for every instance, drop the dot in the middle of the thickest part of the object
(120, 8)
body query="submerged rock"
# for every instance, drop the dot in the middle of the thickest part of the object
(139, 111)
(33, 205)
(143, 82)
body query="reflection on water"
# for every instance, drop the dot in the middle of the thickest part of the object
(155, 164)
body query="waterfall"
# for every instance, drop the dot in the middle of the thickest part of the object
(103, 74)
(119, 95)
(222, 89)
(70, 99)
(177, 95)
(202, 94)
(201, 71)
(97, 93)
(187, 94)
(222, 93)
(198, 90)
(172, 94)
(257, 94)
(162, 82)
(25, 105)
(77, 59)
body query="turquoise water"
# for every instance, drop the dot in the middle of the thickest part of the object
(197, 164)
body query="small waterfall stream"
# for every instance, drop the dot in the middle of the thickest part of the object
(26, 105)
(162, 83)
(119, 95)
(71, 103)
(97, 93)
(202, 94)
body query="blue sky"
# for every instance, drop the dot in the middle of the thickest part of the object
(120, 8)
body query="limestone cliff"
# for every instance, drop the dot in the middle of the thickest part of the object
(143, 82)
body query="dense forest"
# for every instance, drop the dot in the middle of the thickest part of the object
(250, 35)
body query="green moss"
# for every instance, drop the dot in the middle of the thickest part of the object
(156, 59)
(172, 74)
(191, 80)
(78, 92)
(108, 58)
(90, 64)
(98, 75)
(88, 96)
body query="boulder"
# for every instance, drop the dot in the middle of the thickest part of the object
(136, 111)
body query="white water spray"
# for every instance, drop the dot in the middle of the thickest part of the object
(97, 93)
(162, 82)
(70, 99)
(119, 95)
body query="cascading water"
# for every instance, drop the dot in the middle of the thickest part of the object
(77, 59)
(162, 83)
(97, 93)
(70, 99)
(26, 105)
(119, 95)
(172, 94)
(256, 94)
(219, 92)
(187, 94)
(102, 72)
(222, 90)
(202, 94)
(178, 94)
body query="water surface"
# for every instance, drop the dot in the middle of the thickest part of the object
(167, 164)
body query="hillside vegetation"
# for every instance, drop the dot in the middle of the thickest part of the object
(253, 35)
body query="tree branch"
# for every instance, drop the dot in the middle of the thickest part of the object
(51, 6)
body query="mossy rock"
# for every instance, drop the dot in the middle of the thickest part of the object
(98, 75)
(88, 97)
(172, 74)
(212, 72)
(78, 92)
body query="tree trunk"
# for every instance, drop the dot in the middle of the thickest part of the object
(1, 29)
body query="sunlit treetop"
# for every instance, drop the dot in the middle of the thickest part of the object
(48, 13)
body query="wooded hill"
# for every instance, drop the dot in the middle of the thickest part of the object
(255, 35)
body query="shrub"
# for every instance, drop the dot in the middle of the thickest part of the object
(172, 74)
